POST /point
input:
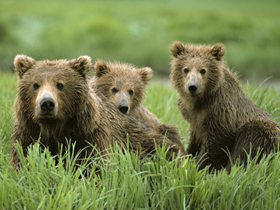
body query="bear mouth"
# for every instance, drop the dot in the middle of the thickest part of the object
(47, 116)
(193, 94)
(47, 119)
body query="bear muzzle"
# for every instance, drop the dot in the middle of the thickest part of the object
(192, 88)
(193, 85)
(47, 108)
(124, 107)
(46, 105)
(122, 102)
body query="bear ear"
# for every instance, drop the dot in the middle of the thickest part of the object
(177, 48)
(218, 51)
(100, 68)
(82, 65)
(146, 74)
(22, 64)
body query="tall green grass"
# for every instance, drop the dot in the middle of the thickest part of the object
(126, 182)
(141, 32)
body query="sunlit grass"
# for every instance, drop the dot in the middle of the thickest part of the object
(126, 182)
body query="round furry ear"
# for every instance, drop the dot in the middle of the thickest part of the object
(218, 51)
(177, 48)
(146, 74)
(22, 63)
(100, 68)
(82, 65)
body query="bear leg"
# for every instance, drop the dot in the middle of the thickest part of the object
(252, 138)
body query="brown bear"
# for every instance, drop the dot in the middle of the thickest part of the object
(124, 85)
(55, 103)
(222, 118)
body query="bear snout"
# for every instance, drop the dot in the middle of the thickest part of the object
(193, 84)
(124, 107)
(47, 105)
(122, 102)
(192, 88)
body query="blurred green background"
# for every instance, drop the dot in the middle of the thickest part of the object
(141, 32)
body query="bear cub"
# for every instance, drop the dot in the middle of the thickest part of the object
(222, 118)
(124, 85)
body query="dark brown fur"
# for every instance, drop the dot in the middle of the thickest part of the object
(79, 113)
(125, 85)
(221, 116)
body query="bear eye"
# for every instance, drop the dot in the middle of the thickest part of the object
(36, 86)
(186, 70)
(59, 86)
(202, 71)
(130, 92)
(114, 90)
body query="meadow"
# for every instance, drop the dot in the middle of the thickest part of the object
(128, 182)
(140, 32)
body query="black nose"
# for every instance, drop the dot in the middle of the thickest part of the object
(123, 109)
(192, 88)
(47, 104)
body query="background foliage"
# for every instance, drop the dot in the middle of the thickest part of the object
(140, 32)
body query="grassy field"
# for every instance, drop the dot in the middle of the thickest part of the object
(141, 32)
(127, 182)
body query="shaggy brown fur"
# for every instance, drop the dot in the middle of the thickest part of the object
(55, 102)
(125, 85)
(221, 116)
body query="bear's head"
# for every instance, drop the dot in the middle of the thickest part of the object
(196, 69)
(51, 91)
(123, 84)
